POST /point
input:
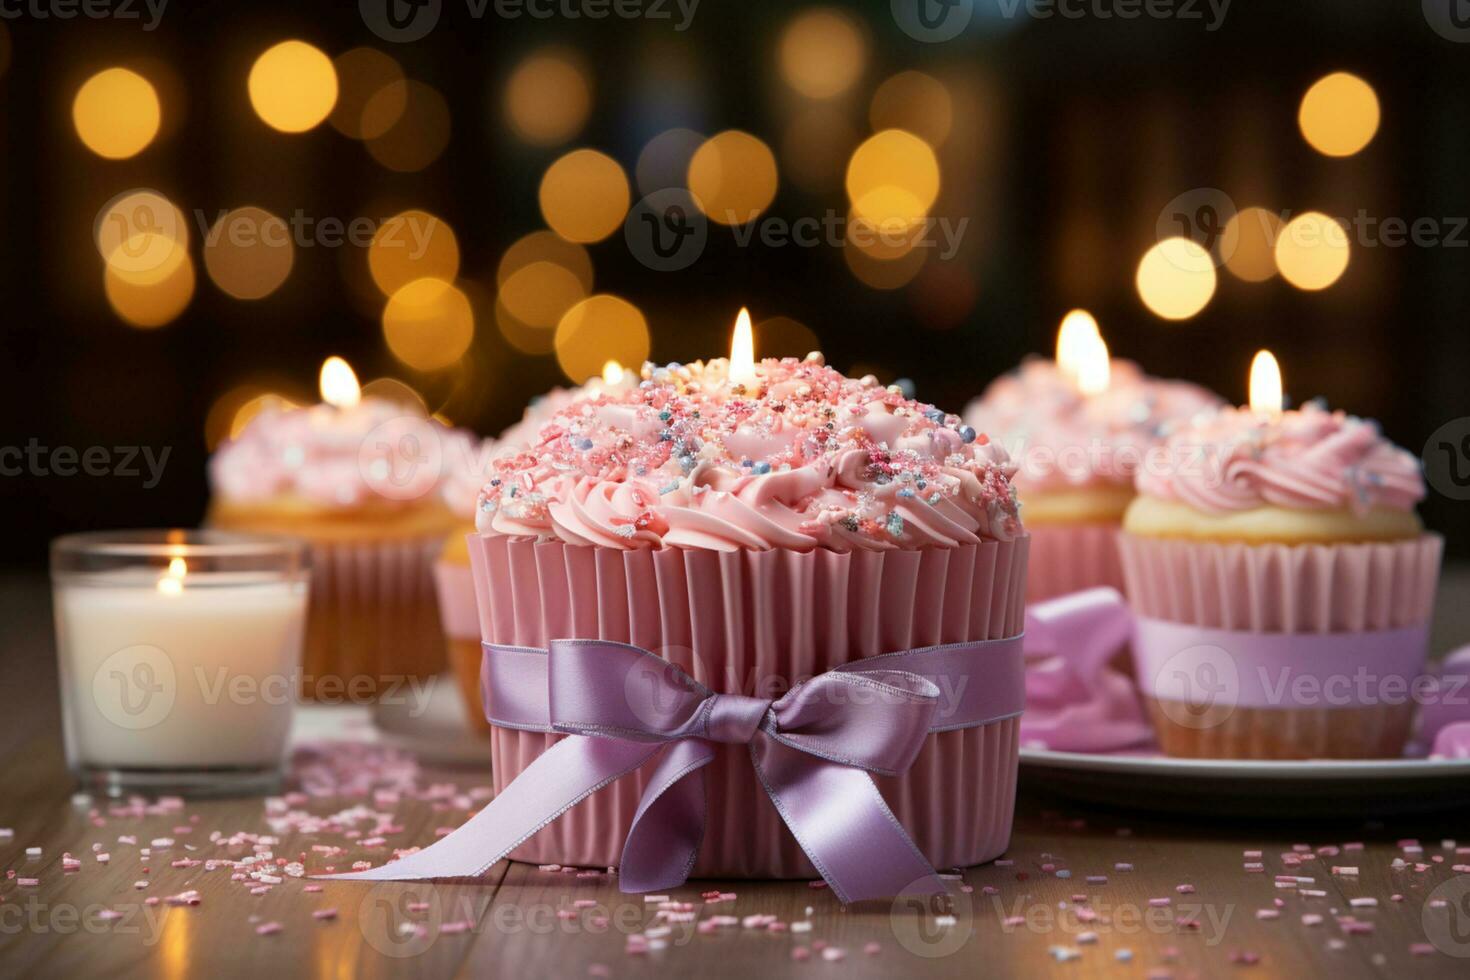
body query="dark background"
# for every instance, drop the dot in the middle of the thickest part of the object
(1074, 135)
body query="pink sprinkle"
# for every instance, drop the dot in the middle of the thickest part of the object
(833, 954)
(1122, 866)
(599, 970)
(873, 949)
(1158, 902)
(1311, 919)
(1421, 949)
(1004, 863)
(1184, 889)
(816, 884)
(267, 928)
(28, 882)
(324, 914)
(109, 914)
(1395, 897)
(1251, 854)
(311, 888)
(801, 953)
(1353, 846)
(1268, 914)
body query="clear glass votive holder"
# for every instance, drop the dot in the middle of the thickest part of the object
(179, 655)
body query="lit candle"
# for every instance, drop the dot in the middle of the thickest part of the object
(1082, 355)
(338, 383)
(178, 675)
(1265, 386)
(612, 374)
(742, 355)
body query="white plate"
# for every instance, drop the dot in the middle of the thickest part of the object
(1317, 787)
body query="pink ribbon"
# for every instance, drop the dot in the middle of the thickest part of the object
(813, 750)
(1076, 701)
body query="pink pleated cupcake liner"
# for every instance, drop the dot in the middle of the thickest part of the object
(1067, 558)
(373, 618)
(738, 620)
(1275, 589)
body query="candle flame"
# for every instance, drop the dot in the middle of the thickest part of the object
(612, 373)
(1074, 339)
(338, 384)
(1266, 385)
(172, 581)
(742, 353)
(1094, 368)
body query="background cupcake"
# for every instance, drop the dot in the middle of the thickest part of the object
(466, 465)
(354, 478)
(771, 522)
(1079, 429)
(1278, 566)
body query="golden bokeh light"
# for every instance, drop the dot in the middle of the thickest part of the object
(1248, 244)
(822, 53)
(540, 294)
(781, 336)
(664, 160)
(412, 245)
(1312, 251)
(548, 97)
(915, 102)
(362, 73)
(116, 113)
(292, 86)
(138, 229)
(151, 297)
(599, 329)
(1339, 114)
(732, 177)
(546, 246)
(420, 131)
(428, 324)
(892, 237)
(248, 253)
(234, 410)
(584, 196)
(892, 176)
(1176, 278)
(885, 273)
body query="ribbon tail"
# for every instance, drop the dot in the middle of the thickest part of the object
(563, 776)
(668, 828)
(842, 822)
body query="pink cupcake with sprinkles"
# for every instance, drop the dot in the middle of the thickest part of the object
(1080, 428)
(1282, 584)
(755, 524)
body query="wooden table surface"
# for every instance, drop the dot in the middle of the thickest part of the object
(1182, 904)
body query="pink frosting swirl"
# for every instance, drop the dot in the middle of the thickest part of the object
(1064, 439)
(372, 452)
(687, 460)
(1308, 459)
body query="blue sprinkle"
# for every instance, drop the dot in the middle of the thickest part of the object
(669, 487)
(921, 484)
(746, 463)
(762, 467)
(665, 437)
(906, 493)
(934, 498)
(665, 415)
(935, 415)
(967, 433)
(585, 444)
(895, 524)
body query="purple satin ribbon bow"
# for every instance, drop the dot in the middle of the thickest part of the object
(813, 751)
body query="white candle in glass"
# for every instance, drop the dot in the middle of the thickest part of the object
(190, 672)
